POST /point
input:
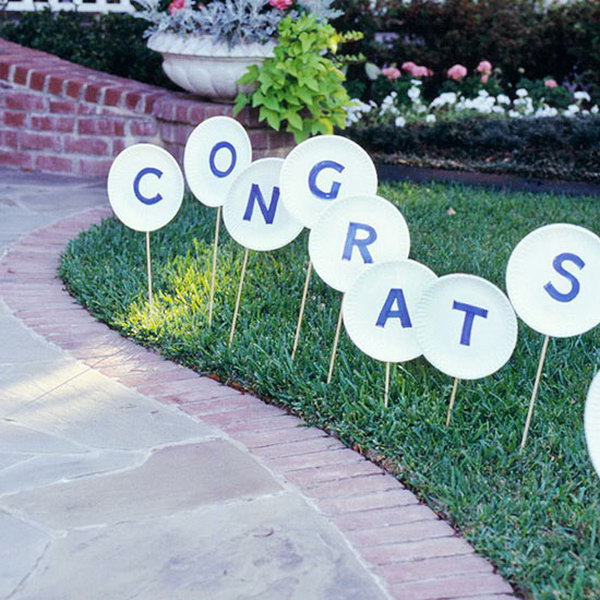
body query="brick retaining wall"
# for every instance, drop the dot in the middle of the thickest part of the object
(59, 117)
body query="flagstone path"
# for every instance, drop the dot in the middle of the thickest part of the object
(125, 476)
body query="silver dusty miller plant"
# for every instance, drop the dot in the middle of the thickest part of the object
(227, 21)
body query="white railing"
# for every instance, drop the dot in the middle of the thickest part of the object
(96, 6)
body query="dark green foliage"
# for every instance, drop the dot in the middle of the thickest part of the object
(557, 147)
(514, 35)
(111, 43)
(534, 514)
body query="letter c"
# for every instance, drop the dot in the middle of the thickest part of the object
(136, 186)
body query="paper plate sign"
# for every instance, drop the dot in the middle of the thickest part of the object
(466, 326)
(379, 309)
(353, 234)
(592, 422)
(216, 152)
(553, 281)
(145, 187)
(322, 170)
(254, 213)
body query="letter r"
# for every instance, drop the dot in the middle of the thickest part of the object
(361, 243)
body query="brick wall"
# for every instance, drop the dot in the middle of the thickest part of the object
(59, 117)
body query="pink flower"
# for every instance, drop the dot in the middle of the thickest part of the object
(485, 78)
(408, 66)
(484, 67)
(550, 83)
(391, 72)
(175, 6)
(419, 71)
(457, 72)
(281, 4)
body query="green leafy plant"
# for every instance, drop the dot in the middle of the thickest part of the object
(301, 87)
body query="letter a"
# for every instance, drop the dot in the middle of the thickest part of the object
(395, 295)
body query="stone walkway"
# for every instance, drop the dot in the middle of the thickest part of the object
(125, 476)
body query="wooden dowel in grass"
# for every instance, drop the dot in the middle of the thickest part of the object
(149, 268)
(536, 385)
(336, 340)
(239, 295)
(452, 399)
(302, 306)
(211, 299)
(386, 393)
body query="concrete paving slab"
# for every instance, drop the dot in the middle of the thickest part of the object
(16, 438)
(30, 347)
(173, 479)
(8, 459)
(18, 557)
(94, 410)
(274, 548)
(23, 383)
(39, 471)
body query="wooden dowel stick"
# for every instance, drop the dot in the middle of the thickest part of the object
(149, 268)
(302, 305)
(239, 296)
(214, 268)
(386, 395)
(536, 385)
(452, 399)
(335, 345)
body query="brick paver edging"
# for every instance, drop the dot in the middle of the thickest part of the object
(60, 117)
(415, 554)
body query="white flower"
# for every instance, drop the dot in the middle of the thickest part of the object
(522, 92)
(502, 99)
(400, 122)
(443, 99)
(430, 119)
(420, 108)
(573, 108)
(498, 109)
(594, 109)
(581, 96)
(513, 114)
(483, 93)
(416, 82)
(546, 111)
(414, 93)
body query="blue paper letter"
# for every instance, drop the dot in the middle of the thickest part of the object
(268, 212)
(136, 186)
(361, 244)
(213, 153)
(335, 186)
(395, 295)
(470, 313)
(558, 266)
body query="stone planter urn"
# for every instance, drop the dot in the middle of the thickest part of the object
(206, 69)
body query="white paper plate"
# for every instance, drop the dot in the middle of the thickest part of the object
(442, 326)
(216, 152)
(254, 213)
(329, 166)
(145, 187)
(379, 309)
(592, 422)
(560, 310)
(362, 218)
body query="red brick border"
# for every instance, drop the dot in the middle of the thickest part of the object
(56, 116)
(416, 555)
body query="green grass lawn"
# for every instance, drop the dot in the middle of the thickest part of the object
(535, 515)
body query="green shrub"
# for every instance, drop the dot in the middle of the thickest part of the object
(111, 43)
(561, 147)
(517, 36)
